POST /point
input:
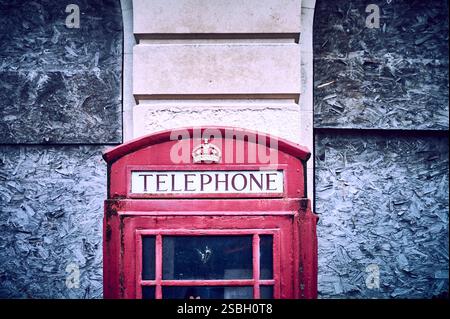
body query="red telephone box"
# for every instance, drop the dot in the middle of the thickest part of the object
(208, 213)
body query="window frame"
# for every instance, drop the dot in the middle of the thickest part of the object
(256, 282)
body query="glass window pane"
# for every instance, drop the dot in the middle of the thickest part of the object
(266, 292)
(266, 255)
(207, 257)
(148, 292)
(213, 292)
(148, 257)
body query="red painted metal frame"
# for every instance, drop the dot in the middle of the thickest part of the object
(295, 244)
(158, 266)
(120, 151)
(224, 226)
(256, 265)
(155, 150)
(256, 282)
(211, 207)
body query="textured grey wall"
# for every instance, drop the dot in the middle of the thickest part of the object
(394, 77)
(51, 204)
(383, 200)
(382, 197)
(60, 90)
(60, 85)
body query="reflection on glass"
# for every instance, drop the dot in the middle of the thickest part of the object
(214, 292)
(148, 292)
(266, 292)
(148, 257)
(207, 257)
(266, 255)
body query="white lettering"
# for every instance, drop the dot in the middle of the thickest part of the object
(373, 276)
(73, 19)
(197, 309)
(373, 19)
(73, 276)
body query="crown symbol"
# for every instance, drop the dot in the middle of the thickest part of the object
(206, 153)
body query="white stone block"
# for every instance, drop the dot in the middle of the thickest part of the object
(306, 129)
(216, 16)
(311, 4)
(210, 69)
(128, 36)
(307, 87)
(306, 37)
(282, 121)
(310, 181)
(128, 100)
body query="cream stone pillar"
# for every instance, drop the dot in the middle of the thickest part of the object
(306, 95)
(236, 63)
(128, 101)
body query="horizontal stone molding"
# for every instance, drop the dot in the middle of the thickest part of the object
(216, 16)
(216, 70)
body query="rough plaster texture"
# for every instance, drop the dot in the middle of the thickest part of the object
(394, 77)
(382, 199)
(279, 120)
(57, 84)
(51, 204)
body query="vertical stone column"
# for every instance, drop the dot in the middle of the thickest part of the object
(307, 86)
(128, 101)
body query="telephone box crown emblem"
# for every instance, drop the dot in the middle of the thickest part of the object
(206, 153)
